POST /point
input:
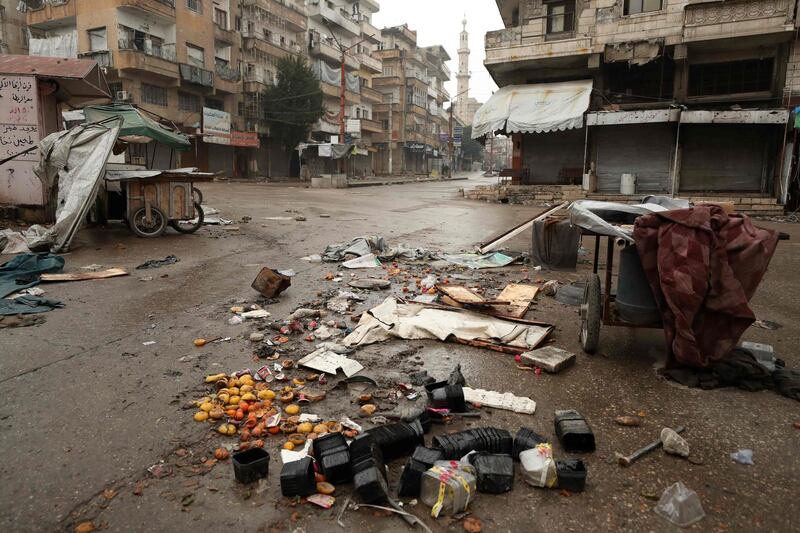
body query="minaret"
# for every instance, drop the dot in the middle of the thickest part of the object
(462, 96)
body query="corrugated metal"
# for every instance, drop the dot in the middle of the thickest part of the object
(82, 78)
(547, 154)
(723, 157)
(646, 150)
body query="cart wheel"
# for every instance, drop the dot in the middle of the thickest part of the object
(185, 226)
(197, 195)
(148, 228)
(591, 314)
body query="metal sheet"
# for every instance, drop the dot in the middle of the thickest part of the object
(644, 116)
(645, 150)
(723, 157)
(548, 154)
(743, 116)
(81, 78)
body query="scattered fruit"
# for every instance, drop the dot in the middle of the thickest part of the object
(305, 427)
(323, 487)
(368, 409)
(220, 454)
(201, 416)
(292, 409)
(288, 446)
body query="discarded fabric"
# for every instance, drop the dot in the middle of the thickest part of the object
(158, 263)
(26, 305)
(23, 271)
(328, 361)
(365, 261)
(478, 261)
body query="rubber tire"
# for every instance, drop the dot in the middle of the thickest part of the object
(591, 314)
(186, 229)
(197, 196)
(157, 214)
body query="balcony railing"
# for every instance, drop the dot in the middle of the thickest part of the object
(147, 47)
(319, 9)
(104, 58)
(370, 62)
(226, 72)
(196, 75)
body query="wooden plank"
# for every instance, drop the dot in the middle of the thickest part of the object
(521, 297)
(460, 294)
(494, 242)
(83, 276)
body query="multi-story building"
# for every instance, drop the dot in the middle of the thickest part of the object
(412, 82)
(687, 96)
(171, 58)
(270, 29)
(13, 33)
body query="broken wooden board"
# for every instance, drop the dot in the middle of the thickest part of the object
(521, 297)
(84, 276)
(494, 242)
(460, 294)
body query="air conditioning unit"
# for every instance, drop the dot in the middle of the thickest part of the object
(123, 96)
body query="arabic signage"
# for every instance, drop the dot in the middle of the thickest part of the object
(216, 126)
(458, 132)
(415, 147)
(245, 139)
(19, 131)
(353, 126)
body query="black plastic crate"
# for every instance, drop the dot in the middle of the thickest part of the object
(330, 442)
(411, 478)
(525, 439)
(297, 478)
(573, 432)
(250, 465)
(370, 486)
(335, 466)
(571, 475)
(495, 472)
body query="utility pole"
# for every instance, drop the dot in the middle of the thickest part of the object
(450, 144)
(391, 133)
(342, 88)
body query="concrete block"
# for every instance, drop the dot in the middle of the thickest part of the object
(549, 358)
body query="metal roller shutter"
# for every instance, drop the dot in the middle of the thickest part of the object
(646, 150)
(548, 154)
(723, 157)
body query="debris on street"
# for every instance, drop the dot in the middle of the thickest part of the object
(270, 283)
(158, 263)
(680, 505)
(83, 276)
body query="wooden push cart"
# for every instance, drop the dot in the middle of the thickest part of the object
(153, 200)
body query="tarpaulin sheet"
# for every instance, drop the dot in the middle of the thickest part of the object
(704, 267)
(534, 108)
(136, 123)
(412, 321)
(23, 271)
(78, 158)
(610, 218)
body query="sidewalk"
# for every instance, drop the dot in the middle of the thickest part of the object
(397, 180)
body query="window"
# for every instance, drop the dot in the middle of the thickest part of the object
(97, 39)
(153, 94)
(733, 77)
(388, 71)
(215, 104)
(221, 18)
(189, 102)
(561, 16)
(114, 88)
(238, 23)
(358, 112)
(195, 5)
(195, 55)
(633, 7)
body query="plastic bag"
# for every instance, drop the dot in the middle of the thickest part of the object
(680, 505)
(539, 467)
(448, 487)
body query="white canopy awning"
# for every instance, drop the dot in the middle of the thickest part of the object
(535, 108)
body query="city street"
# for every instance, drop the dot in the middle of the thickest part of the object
(98, 393)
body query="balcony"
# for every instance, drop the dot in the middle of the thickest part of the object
(294, 16)
(370, 63)
(161, 8)
(44, 15)
(104, 58)
(371, 125)
(224, 34)
(143, 56)
(737, 18)
(257, 41)
(530, 45)
(227, 79)
(332, 91)
(196, 75)
(330, 53)
(320, 11)
(368, 94)
(372, 33)
(417, 110)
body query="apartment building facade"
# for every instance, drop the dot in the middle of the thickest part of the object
(13, 31)
(412, 113)
(689, 96)
(172, 58)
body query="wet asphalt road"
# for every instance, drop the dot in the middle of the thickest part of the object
(87, 407)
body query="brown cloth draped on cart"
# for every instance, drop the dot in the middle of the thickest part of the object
(704, 267)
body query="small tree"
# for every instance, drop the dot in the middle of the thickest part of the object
(470, 148)
(294, 104)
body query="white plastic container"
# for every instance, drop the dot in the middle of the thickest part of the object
(539, 467)
(448, 487)
(627, 184)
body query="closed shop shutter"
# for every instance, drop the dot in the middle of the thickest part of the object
(646, 150)
(553, 157)
(723, 157)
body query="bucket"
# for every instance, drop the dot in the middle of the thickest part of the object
(627, 184)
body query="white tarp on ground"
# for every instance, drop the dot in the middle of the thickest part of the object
(534, 108)
(413, 321)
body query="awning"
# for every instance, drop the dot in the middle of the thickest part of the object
(534, 108)
(136, 124)
(79, 80)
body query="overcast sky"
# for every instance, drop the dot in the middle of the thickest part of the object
(439, 22)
